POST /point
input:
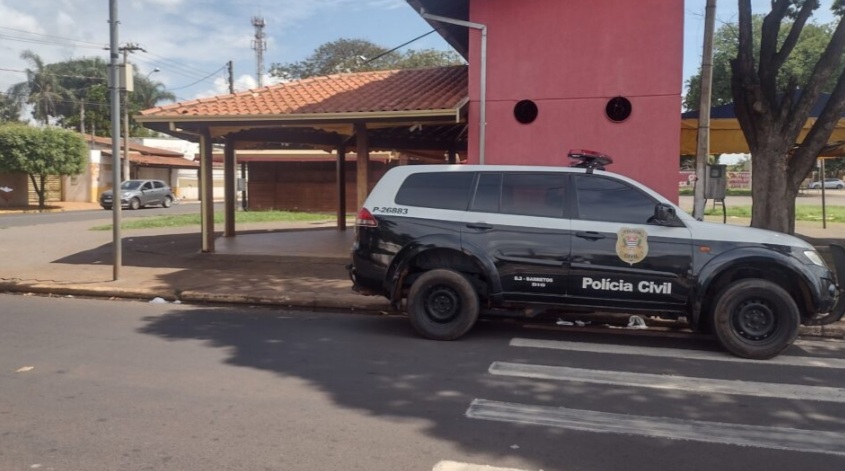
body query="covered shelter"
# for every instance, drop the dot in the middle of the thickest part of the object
(420, 111)
(726, 136)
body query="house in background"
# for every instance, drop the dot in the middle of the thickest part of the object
(144, 162)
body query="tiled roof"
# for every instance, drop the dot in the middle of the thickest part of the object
(407, 90)
(106, 143)
(157, 160)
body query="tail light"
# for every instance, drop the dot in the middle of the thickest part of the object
(365, 219)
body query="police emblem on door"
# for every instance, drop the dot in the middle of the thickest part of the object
(631, 245)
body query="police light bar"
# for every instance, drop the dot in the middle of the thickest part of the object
(589, 159)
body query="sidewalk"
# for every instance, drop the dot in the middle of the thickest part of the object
(298, 265)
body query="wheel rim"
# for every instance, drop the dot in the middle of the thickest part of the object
(755, 320)
(442, 304)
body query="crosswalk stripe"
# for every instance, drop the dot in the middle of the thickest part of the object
(457, 466)
(812, 441)
(670, 382)
(783, 360)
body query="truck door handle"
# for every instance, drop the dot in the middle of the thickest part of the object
(589, 235)
(480, 226)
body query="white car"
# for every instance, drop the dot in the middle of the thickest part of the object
(829, 183)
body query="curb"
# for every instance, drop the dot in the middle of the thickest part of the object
(304, 300)
(351, 302)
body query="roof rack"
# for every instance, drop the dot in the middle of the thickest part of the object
(589, 159)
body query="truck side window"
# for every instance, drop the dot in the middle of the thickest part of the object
(487, 193)
(533, 194)
(440, 190)
(605, 199)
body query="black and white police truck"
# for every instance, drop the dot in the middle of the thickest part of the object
(457, 241)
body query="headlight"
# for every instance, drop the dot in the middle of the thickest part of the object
(126, 194)
(814, 257)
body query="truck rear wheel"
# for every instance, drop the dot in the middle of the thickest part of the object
(442, 305)
(755, 319)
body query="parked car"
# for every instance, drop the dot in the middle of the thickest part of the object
(448, 243)
(136, 194)
(829, 183)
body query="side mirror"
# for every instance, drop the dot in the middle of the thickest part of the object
(664, 215)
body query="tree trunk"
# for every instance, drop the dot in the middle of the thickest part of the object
(40, 190)
(773, 195)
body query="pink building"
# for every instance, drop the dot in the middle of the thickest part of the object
(603, 75)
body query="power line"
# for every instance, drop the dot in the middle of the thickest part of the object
(54, 74)
(397, 47)
(64, 39)
(200, 80)
(179, 64)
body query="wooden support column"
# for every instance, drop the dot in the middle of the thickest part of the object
(229, 174)
(363, 163)
(341, 187)
(206, 192)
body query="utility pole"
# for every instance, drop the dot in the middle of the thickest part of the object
(127, 86)
(231, 77)
(259, 44)
(115, 142)
(703, 149)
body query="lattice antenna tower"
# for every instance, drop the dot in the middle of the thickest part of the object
(259, 44)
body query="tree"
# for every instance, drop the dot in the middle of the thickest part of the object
(80, 80)
(147, 94)
(359, 55)
(40, 152)
(10, 109)
(800, 63)
(772, 104)
(41, 89)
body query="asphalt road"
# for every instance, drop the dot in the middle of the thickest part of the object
(106, 385)
(31, 219)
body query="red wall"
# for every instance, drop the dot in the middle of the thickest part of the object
(570, 57)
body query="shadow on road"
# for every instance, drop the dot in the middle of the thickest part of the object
(378, 366)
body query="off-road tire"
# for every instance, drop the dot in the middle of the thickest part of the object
(755, 319)
(442, 305)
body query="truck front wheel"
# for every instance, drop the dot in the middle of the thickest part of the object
(755, 319)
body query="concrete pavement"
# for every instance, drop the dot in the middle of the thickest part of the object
(281, 264)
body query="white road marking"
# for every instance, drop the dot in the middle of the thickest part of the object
(811, 441)
(456, 466)
(783, 360)
(670, 382)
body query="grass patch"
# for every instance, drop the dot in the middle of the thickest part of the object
(802, 212)
(688, 191)
(182, 220)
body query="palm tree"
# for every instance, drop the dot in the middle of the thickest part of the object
(41, 89)
(147, 95)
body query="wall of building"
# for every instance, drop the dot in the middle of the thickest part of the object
(304, 186)
(14, 188)
(570, 58)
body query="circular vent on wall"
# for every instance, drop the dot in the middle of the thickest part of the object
(525, 111)
(618, 109)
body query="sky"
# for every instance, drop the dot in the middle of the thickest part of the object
(190, 41)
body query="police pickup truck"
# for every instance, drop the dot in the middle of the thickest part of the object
(459, 240)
